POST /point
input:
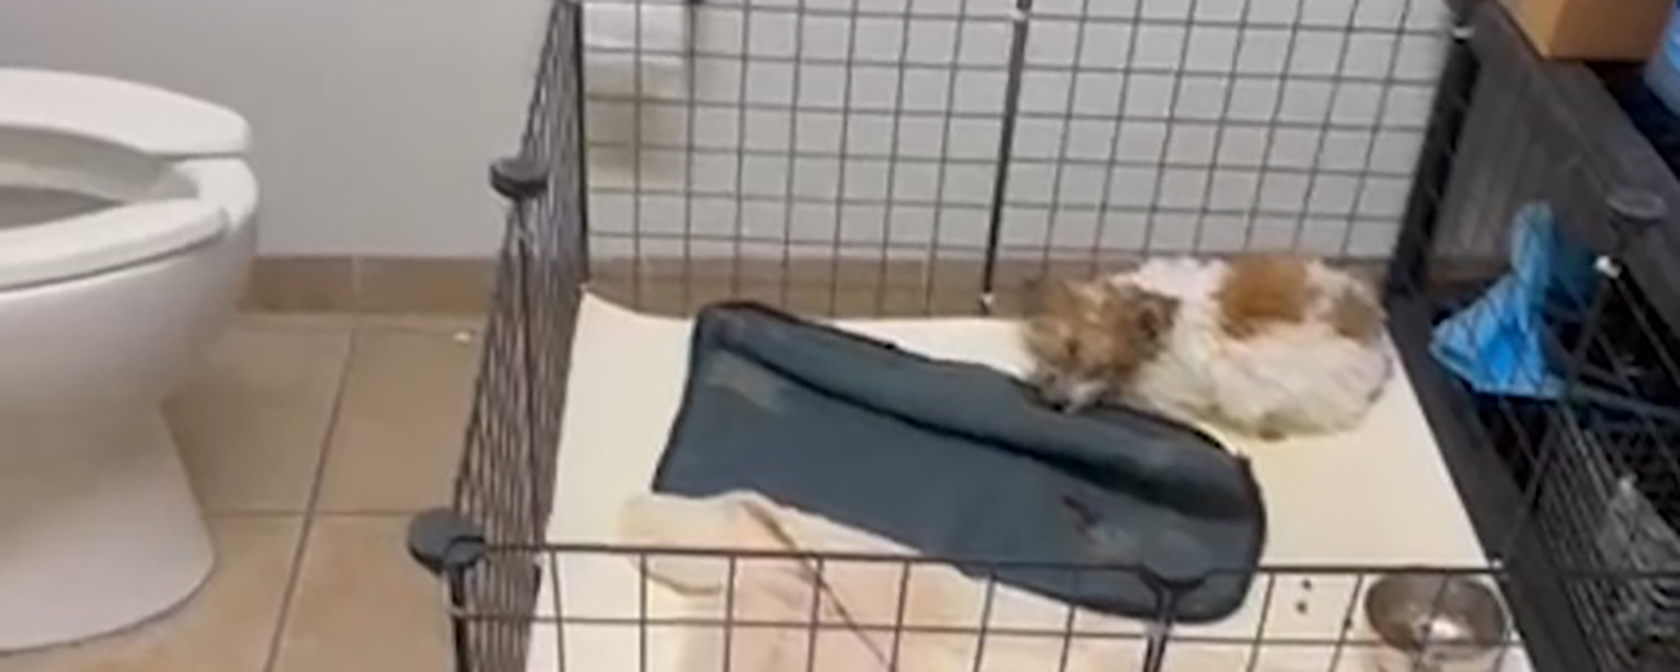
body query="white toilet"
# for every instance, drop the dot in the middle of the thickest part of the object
(127, 223)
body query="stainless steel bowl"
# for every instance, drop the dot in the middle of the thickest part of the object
(1435, 622)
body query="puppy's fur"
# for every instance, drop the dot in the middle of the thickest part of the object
(1087, 337)
(1266, 344)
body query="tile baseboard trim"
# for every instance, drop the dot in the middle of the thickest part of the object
(369, 285)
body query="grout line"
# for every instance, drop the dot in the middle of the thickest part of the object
(309, 511)
(434, 323)
(291, 322)
(375, 512)
(251, 513)
(444, 326)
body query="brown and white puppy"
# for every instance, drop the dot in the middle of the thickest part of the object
(1264, 344)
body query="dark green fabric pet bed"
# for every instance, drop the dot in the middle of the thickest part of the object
(958, 461)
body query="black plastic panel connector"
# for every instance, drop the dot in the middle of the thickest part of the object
(519, 178)
(1176, 572)
(1633, 210)
(443, 541)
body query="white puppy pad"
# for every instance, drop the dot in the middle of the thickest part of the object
(1378, 495)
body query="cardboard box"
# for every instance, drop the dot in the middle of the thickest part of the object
(1592, 30)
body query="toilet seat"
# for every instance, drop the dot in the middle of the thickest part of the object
(145, 121)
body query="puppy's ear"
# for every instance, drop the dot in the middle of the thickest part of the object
(1047, 295)
(1151, 313)
(1157, 312)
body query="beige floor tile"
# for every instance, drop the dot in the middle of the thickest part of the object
(401, 421)
(297, 321)
(469, 325)
(227, 627)
(253, 420)
(361, 605)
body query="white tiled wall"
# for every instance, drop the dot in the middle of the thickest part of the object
(1164, 125)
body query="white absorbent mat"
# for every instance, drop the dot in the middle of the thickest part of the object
(1378, 495)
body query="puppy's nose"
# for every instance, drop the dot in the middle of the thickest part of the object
(1056, 400)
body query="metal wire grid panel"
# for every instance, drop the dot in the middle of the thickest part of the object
(514, 426)
(1534, 251)
(908, 156)
(1582, 479)
(871, 612)
(1586, 568)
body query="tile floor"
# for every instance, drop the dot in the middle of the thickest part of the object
(310, 441)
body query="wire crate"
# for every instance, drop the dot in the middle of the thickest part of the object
(921, 157)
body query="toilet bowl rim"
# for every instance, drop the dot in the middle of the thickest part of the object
(223, 200)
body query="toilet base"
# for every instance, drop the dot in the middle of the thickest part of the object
(99, 529)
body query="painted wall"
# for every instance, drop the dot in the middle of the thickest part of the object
(374, 119)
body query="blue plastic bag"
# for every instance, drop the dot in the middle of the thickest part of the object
(1496, 344)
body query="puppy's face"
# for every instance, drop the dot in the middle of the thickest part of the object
(1087, 338)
